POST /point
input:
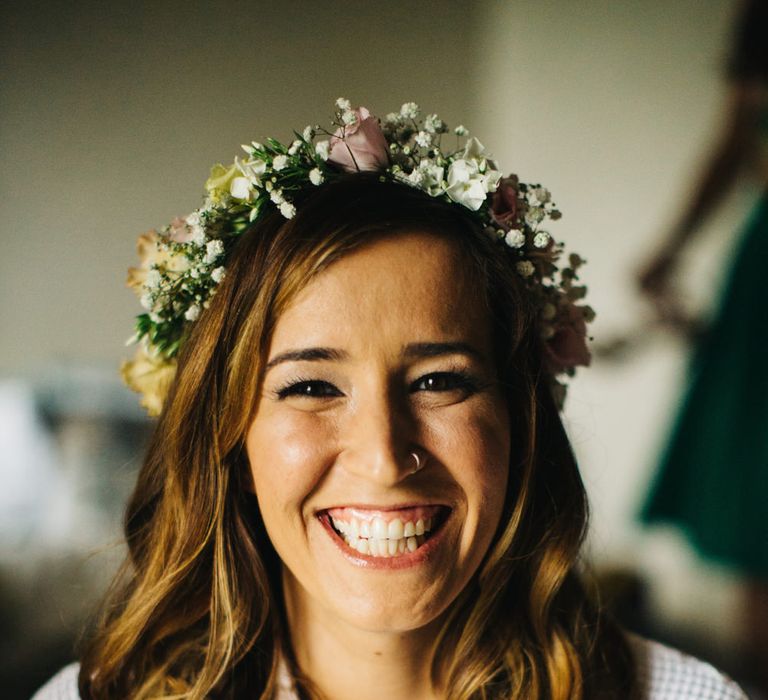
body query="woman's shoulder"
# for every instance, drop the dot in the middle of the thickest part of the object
(668, 674)
(63, 686)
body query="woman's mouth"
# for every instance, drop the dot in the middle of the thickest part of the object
(375, 533)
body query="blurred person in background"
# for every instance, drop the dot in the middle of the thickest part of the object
(713, 478)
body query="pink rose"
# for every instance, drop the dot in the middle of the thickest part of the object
(504, 204)
(567, 348)
(180, 231)
(361, 145)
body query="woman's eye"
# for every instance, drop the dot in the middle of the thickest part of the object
(445, 381)
(314, 388)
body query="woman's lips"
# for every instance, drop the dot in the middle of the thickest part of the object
(393, 537)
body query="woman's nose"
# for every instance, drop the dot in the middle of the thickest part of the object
(380, 442)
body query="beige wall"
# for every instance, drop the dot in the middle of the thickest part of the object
(112, 114)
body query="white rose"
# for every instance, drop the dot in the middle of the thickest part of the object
(465, 184)
(240, 188)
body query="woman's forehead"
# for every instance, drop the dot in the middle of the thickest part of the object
(414, 284)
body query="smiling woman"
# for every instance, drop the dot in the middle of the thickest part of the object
(359, 485)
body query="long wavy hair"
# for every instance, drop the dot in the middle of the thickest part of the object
(197, 609)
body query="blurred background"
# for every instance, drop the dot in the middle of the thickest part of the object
(111, 115)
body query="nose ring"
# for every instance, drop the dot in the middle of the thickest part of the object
(418, 460)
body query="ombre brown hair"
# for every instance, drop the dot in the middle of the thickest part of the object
(197, 610)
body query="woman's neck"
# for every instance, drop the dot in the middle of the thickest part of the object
(347, 663)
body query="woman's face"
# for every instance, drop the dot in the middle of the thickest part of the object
(385, 353)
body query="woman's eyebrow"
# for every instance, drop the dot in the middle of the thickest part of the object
(417, 350)
(307, 354)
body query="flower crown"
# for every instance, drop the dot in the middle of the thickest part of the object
(182, 264)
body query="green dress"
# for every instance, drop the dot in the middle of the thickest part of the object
(713, 478)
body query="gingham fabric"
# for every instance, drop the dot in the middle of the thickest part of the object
(668, 674)
(663, 673)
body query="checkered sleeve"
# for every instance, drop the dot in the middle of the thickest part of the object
(63, 686)
(667, 674)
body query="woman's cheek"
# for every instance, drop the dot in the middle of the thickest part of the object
(476, 434)
(294, 450)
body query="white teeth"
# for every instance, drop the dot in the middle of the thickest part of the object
(379, 529)
(381, 539)
(395, 529)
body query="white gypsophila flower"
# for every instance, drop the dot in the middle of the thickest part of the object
(525, 268)
(218, 274)
(433, 123)
(198, 236)
(343, 104)
(279, 163)
(541, 239)
(515, 238)
(192, 313)
(316, 177)
(323, 149)
(461, 130)
(410, 110)
(193, 219)
(431, 177)
(213, 249)
(415, 177)
(534, 216)
(348, 118)
(146, 301)
(294, 148)
(540, 195)
(240, 188)
(423, 139)
(153, 280)
(276, 195)
(466, 185)
(392, 118)
(308, 133)
(287, 210)
(155, 317)
(548, 312)
(194, 273)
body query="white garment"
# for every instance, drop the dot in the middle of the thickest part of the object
(663, 674)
